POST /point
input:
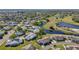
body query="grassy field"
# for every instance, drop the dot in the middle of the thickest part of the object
(67, 19)
(53, 21)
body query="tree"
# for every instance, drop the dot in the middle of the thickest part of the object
(37, 23)
(75, 19)
(13, 36)
(19, 28)
(52, 28)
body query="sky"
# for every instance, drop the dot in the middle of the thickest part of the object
(39, 4)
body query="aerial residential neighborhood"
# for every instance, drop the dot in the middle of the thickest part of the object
(39, 29)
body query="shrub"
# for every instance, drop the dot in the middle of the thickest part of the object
(13, 36)
(76, 19)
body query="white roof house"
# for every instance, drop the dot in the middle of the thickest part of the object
(35, 29)
(19, 33)
(44, 41)
(12, 23)
(15, 42)
(75, 30)
(30, 36)
(6, 28)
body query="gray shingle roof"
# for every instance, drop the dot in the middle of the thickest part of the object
(14, 42)
(30, 36)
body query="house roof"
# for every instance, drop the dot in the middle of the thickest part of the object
(72, 47)
(18, 39)
(15, 41)
(6, 28)
(12, 23)
(43, 41)
(35, 29)
(19, 33)
(75, 39)
(12, 43)
(59, 38)
(30, 36)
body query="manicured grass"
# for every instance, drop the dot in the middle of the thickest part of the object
(68, 19)
(53, 21)
(50, 23)
(60, 46)
(34, 42)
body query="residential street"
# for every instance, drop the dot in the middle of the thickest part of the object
(6, 37)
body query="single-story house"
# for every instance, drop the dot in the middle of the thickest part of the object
(76, 40)
(12, 23)
(72, 47)
(35, 29)
(19, 33)
(30, 36)
(19, 40)
(75, 30)
(44, 41)
(26, 23)
(6, 28)
(59, 38)
(13, 43)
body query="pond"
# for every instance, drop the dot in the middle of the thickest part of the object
(53, 31)
(47, 31)
(63, 24)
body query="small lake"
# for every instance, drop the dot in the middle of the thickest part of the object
(53, 31)
(63, 24)
(56, 32)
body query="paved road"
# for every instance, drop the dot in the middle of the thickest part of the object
(6, 37)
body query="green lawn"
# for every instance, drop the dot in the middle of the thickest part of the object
(68, 19)
(60, 46)
(53, 21)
